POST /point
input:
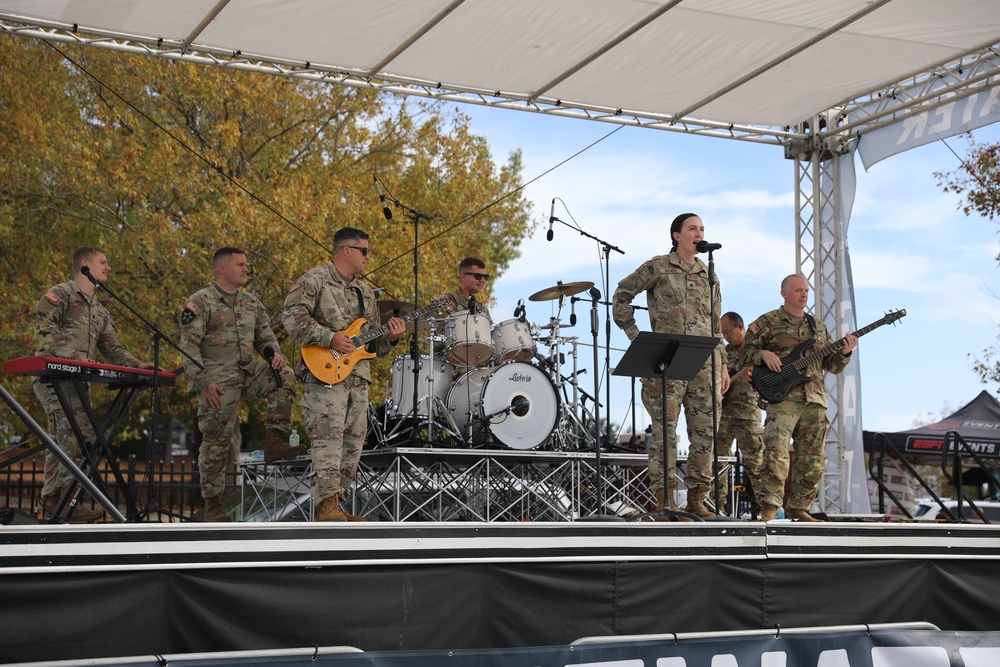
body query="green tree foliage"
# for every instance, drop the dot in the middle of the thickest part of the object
(977, 182)
(160, 163)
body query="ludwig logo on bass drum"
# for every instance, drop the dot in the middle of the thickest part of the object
(520, 377)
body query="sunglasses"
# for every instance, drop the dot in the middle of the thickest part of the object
(364, 251)
(478, 276)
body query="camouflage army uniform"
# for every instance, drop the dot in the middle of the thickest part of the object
(677, 296)
(741, 420)
(801, 416)
(322, 303)
(71, 325)
(222, 331)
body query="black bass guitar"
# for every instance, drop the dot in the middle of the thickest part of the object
(774, 387)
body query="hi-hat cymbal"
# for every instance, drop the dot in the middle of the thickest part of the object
(561, 289)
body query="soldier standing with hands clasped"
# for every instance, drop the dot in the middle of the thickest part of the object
(222, 326)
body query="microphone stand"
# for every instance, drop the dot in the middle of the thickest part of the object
(151, 505)
(606, 249)
(415, 217)
(601, 514)
(715, 408)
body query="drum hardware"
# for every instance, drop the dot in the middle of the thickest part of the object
(399, 400)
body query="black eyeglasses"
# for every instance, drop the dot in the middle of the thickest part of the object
(478, 276)
(364, 250)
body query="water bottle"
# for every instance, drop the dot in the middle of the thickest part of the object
(293, 439)
(257, 455)
(780, 513)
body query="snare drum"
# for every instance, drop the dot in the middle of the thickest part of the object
(399, 401)
(467, 339)
(515, 403)
(513, 341)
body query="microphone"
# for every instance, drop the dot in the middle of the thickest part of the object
(472, 302)
(85, 270)
(519, 311)
(269, 356)
(552, 219)
(705, 246)
(381, 197)
(572, 312)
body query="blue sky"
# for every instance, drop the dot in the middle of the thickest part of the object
(910, 246)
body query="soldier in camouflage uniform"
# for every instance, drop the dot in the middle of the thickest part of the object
(472, 279)
(677, 295)
(802, 415)
(741, 417)
(71, 323)
(323, 303)
(221, 327)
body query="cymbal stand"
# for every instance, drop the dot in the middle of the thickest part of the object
(434, 402)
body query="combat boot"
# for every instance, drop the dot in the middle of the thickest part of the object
(214, 511)
(81, 513)
(351, 517)
(329, 510)
(662, 499)
(276, 449)
(768, 512)
(696, 502)
(801, 515)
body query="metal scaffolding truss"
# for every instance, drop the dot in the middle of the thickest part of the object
(447, 484)
(958, 76)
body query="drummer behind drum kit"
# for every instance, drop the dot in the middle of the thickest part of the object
(483, 385)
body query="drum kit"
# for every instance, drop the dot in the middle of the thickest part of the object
(482, 384)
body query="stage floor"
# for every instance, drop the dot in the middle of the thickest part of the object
(141, 589)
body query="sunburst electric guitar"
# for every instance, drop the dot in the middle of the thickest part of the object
(331, 367)
(774, 386)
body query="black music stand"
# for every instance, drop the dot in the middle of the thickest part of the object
(671, 357)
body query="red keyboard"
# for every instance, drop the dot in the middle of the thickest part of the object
(91, 371)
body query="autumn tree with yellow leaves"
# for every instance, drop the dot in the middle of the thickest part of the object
(161, 162)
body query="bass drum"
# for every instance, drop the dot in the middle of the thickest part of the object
(515, 403)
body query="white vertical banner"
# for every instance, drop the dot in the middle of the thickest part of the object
(849, 401)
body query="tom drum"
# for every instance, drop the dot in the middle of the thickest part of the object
(467, 340)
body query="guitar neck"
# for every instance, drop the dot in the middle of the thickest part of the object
(835, 346)
(383, 329)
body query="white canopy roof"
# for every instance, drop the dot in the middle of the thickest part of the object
(754, 69)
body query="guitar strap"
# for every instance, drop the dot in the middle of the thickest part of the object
(812, 322)
(361, 302)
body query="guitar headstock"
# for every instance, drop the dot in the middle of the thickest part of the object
(893, 316)
(442, 304)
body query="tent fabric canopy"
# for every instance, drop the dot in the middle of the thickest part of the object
(767, 63)
(978, 422)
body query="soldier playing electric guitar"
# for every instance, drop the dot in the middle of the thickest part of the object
(319, 311)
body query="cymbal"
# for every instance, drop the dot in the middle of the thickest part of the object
(395, 308)
(560, 290)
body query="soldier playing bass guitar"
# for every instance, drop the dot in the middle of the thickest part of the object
(802, 415)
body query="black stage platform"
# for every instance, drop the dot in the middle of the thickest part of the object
(77, 591)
